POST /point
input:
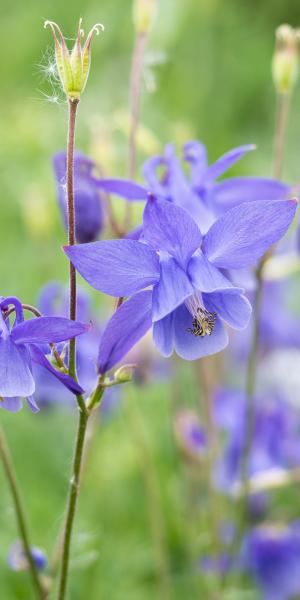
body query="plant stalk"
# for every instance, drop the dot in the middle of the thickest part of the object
(11, 477)
(134, 108)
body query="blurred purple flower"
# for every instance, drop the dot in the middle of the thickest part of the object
(89, 212)
(272, 556)
(17, 559)
(190, 434)
(191, 296)
(279, 326)
(276, 440)
(200, 194)
(20, 346)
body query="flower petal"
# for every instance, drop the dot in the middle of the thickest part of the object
(172, 289)
(163, 335)
(230, 306)
(39, 358)
(46, 330)
(235, 190)
(195, 153)
(32, 404)
(205, 276)
(123, 187)
(15, 374)
(126, 327)
(226, 161)
(115, 267)
(191, 347)
(11, 404)
(245, 232)
(170, 228)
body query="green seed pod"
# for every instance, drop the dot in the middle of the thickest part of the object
(73, 67)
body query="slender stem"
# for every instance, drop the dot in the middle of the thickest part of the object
(20, 515)
(250, 389)
(282, 111)
(250, 386)
(134, 107)
(71, 227)
(205, 370)
(153, 497)
(72, 503)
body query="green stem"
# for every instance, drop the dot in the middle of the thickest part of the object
(134, 107)
(250, 391)
(72, 503)
(153, 498)
(71, 227)
(11, 477)
(250, 387)
(282, 111)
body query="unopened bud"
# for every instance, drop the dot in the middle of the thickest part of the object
(143, 14)
(124, 374)
(73, 67)
(285, 59)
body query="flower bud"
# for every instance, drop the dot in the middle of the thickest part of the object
(143, 14)
(73, 67)
(124, 374)
(285, 59)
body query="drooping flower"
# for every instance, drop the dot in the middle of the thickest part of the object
(191, 296)
(53, 301)
(271, 554)
(21, 345)
(89, 211)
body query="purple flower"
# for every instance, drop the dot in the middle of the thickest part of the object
(276, 442)
(191, 296)
(17, 559)
(89, 214)
(279, 327)
(200, 194)
(190, 434)
(21, 345)
(52, 302)
(272, 556)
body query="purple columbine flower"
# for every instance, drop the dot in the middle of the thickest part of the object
(21, 345)
(272, 556)
(200, 193)
(191, 297)
(89, 212)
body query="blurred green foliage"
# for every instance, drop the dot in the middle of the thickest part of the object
(214, 84)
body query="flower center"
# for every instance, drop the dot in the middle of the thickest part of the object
(203, 321)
